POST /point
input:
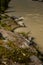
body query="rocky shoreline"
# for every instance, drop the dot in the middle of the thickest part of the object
(17, 48)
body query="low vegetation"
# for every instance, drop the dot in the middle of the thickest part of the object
(10, 51)
(4, 5)
(16, 54)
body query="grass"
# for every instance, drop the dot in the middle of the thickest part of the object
(16, 54)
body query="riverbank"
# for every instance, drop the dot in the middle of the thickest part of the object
(33, 17)
(35, 26)
(17, 48)
(34, 23)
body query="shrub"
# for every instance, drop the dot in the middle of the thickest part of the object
(4, 5)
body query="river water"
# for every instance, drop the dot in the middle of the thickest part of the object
(32, 11)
